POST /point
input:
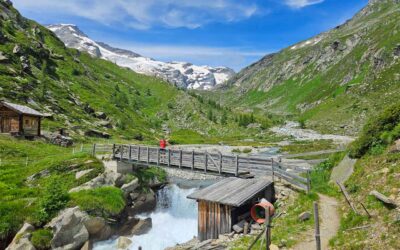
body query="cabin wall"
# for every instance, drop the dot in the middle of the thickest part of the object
(9, 121)
(213, 219)
(30, 125)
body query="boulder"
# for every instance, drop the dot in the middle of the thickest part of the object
(386, 200)
(108, 178)
(3, 58)
(113, 178)
(144, 203)
(97, 133)
(21, 240)
(87, 246)
(134, 226)
(17, 49)
(57, 139)
(25, 64)
(105, 124)
(134, 196)
(82, 173)
(304, 216)
(130, 187)
(42, 174)
(123, 242)
(69, 231)
(100, 115)
(98, 228)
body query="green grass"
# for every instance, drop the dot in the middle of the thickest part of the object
(103, 201)
(41, 239)
(308, 146)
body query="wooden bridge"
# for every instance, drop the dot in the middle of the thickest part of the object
(211, 163)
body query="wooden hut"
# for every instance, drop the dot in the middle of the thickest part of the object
(222, 205)
(21, 120)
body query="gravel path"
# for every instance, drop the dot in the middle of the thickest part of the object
(329, 224)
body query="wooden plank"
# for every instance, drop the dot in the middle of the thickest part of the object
(347, 197)
(317, 231)
(158, 157)
(138, 154)
(205, 162)
(180, 158)
(237, 166)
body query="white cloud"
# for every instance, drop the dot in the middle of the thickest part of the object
(143, 14)
(301, 3)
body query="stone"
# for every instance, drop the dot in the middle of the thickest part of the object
(304, 216)
(82, 173)
(142, 227)
(3, 58)
(108, 178)
(134, 196)
(17, 49)
(130, 187)
(238, 228)
(57, 139)
(395, 148)
(21, 240)
(97, 133)
(100, 115)
(256, 226)
(105, 124)
(87, 246)
(69, 231)
(123, 242)
(42, 174)
(273, 247)
(145, 202)
(98, 228)
(113, 178)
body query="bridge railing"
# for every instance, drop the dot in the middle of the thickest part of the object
(204, 161)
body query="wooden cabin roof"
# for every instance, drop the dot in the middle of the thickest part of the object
(231, 191)
(21, 109)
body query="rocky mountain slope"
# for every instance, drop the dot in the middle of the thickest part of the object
(90, 96)
(182, 74)
(332, 81)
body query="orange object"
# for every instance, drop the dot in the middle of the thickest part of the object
(163, 144)
(258, 211)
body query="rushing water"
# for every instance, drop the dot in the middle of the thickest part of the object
(174, 219)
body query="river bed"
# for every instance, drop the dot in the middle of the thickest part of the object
(174, 219)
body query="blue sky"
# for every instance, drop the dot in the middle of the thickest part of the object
(233, 33)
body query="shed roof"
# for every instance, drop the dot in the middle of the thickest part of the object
(21, 109)
(231, 191)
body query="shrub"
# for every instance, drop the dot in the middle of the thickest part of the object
(379, 131)
(103, 201)
(54, 199)
(41, 239)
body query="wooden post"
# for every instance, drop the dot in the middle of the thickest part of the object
(180, 158)
(267, 229)
(130, 153)
(94, 149)
(273, 169)
(121, 152)
(169, 158)
(148, 154)
(308, 182)
(138, 154)
(347, 197)
(220, 163)
(192, 160)
(316, 221)
(205, 162)
(158, 156)
(237, 166)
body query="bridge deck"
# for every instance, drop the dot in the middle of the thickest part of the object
(245, 167)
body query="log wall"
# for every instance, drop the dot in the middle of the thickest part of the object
(213, 219)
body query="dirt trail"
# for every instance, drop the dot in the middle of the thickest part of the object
(329, 224)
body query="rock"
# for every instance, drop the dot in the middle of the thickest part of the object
(123, 242)
(142, 227)
(395, 148)
(8, 2)
(97, 133)
(304, 216)
(3, 58)
(87, 246)
(113, 178)
(396, 51)
(256, 226)
(25, 64)
(106, 124)
(108, 178)
(57, 139)
(273, 247)
(130, 187)
(383, 198)
(98, 229)
(144, 203)
(42, 174)
(238, 228)
(134, 196)
(100, 115)
(17, 49)
(82, 173)
(69, 231)
(21, 240)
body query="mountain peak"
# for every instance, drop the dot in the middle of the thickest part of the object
(182, 74)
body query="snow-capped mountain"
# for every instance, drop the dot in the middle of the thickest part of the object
(182, 74)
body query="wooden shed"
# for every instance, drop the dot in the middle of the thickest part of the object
(21, 120)
(223, 204)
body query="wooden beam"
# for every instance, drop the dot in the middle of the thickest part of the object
(205, 162)
(317, 231)
(347, 196)
(237, 166)
(192, 160)
(39, 126)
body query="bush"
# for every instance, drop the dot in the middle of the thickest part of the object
(41, 239)
(103, 201)
(378, 132)
(54, 199)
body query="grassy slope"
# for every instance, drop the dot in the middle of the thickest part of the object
(64, 81)
(330, 102)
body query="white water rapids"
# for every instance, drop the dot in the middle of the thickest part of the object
(174, 221)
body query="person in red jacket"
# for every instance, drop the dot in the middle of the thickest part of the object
(163, 143)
